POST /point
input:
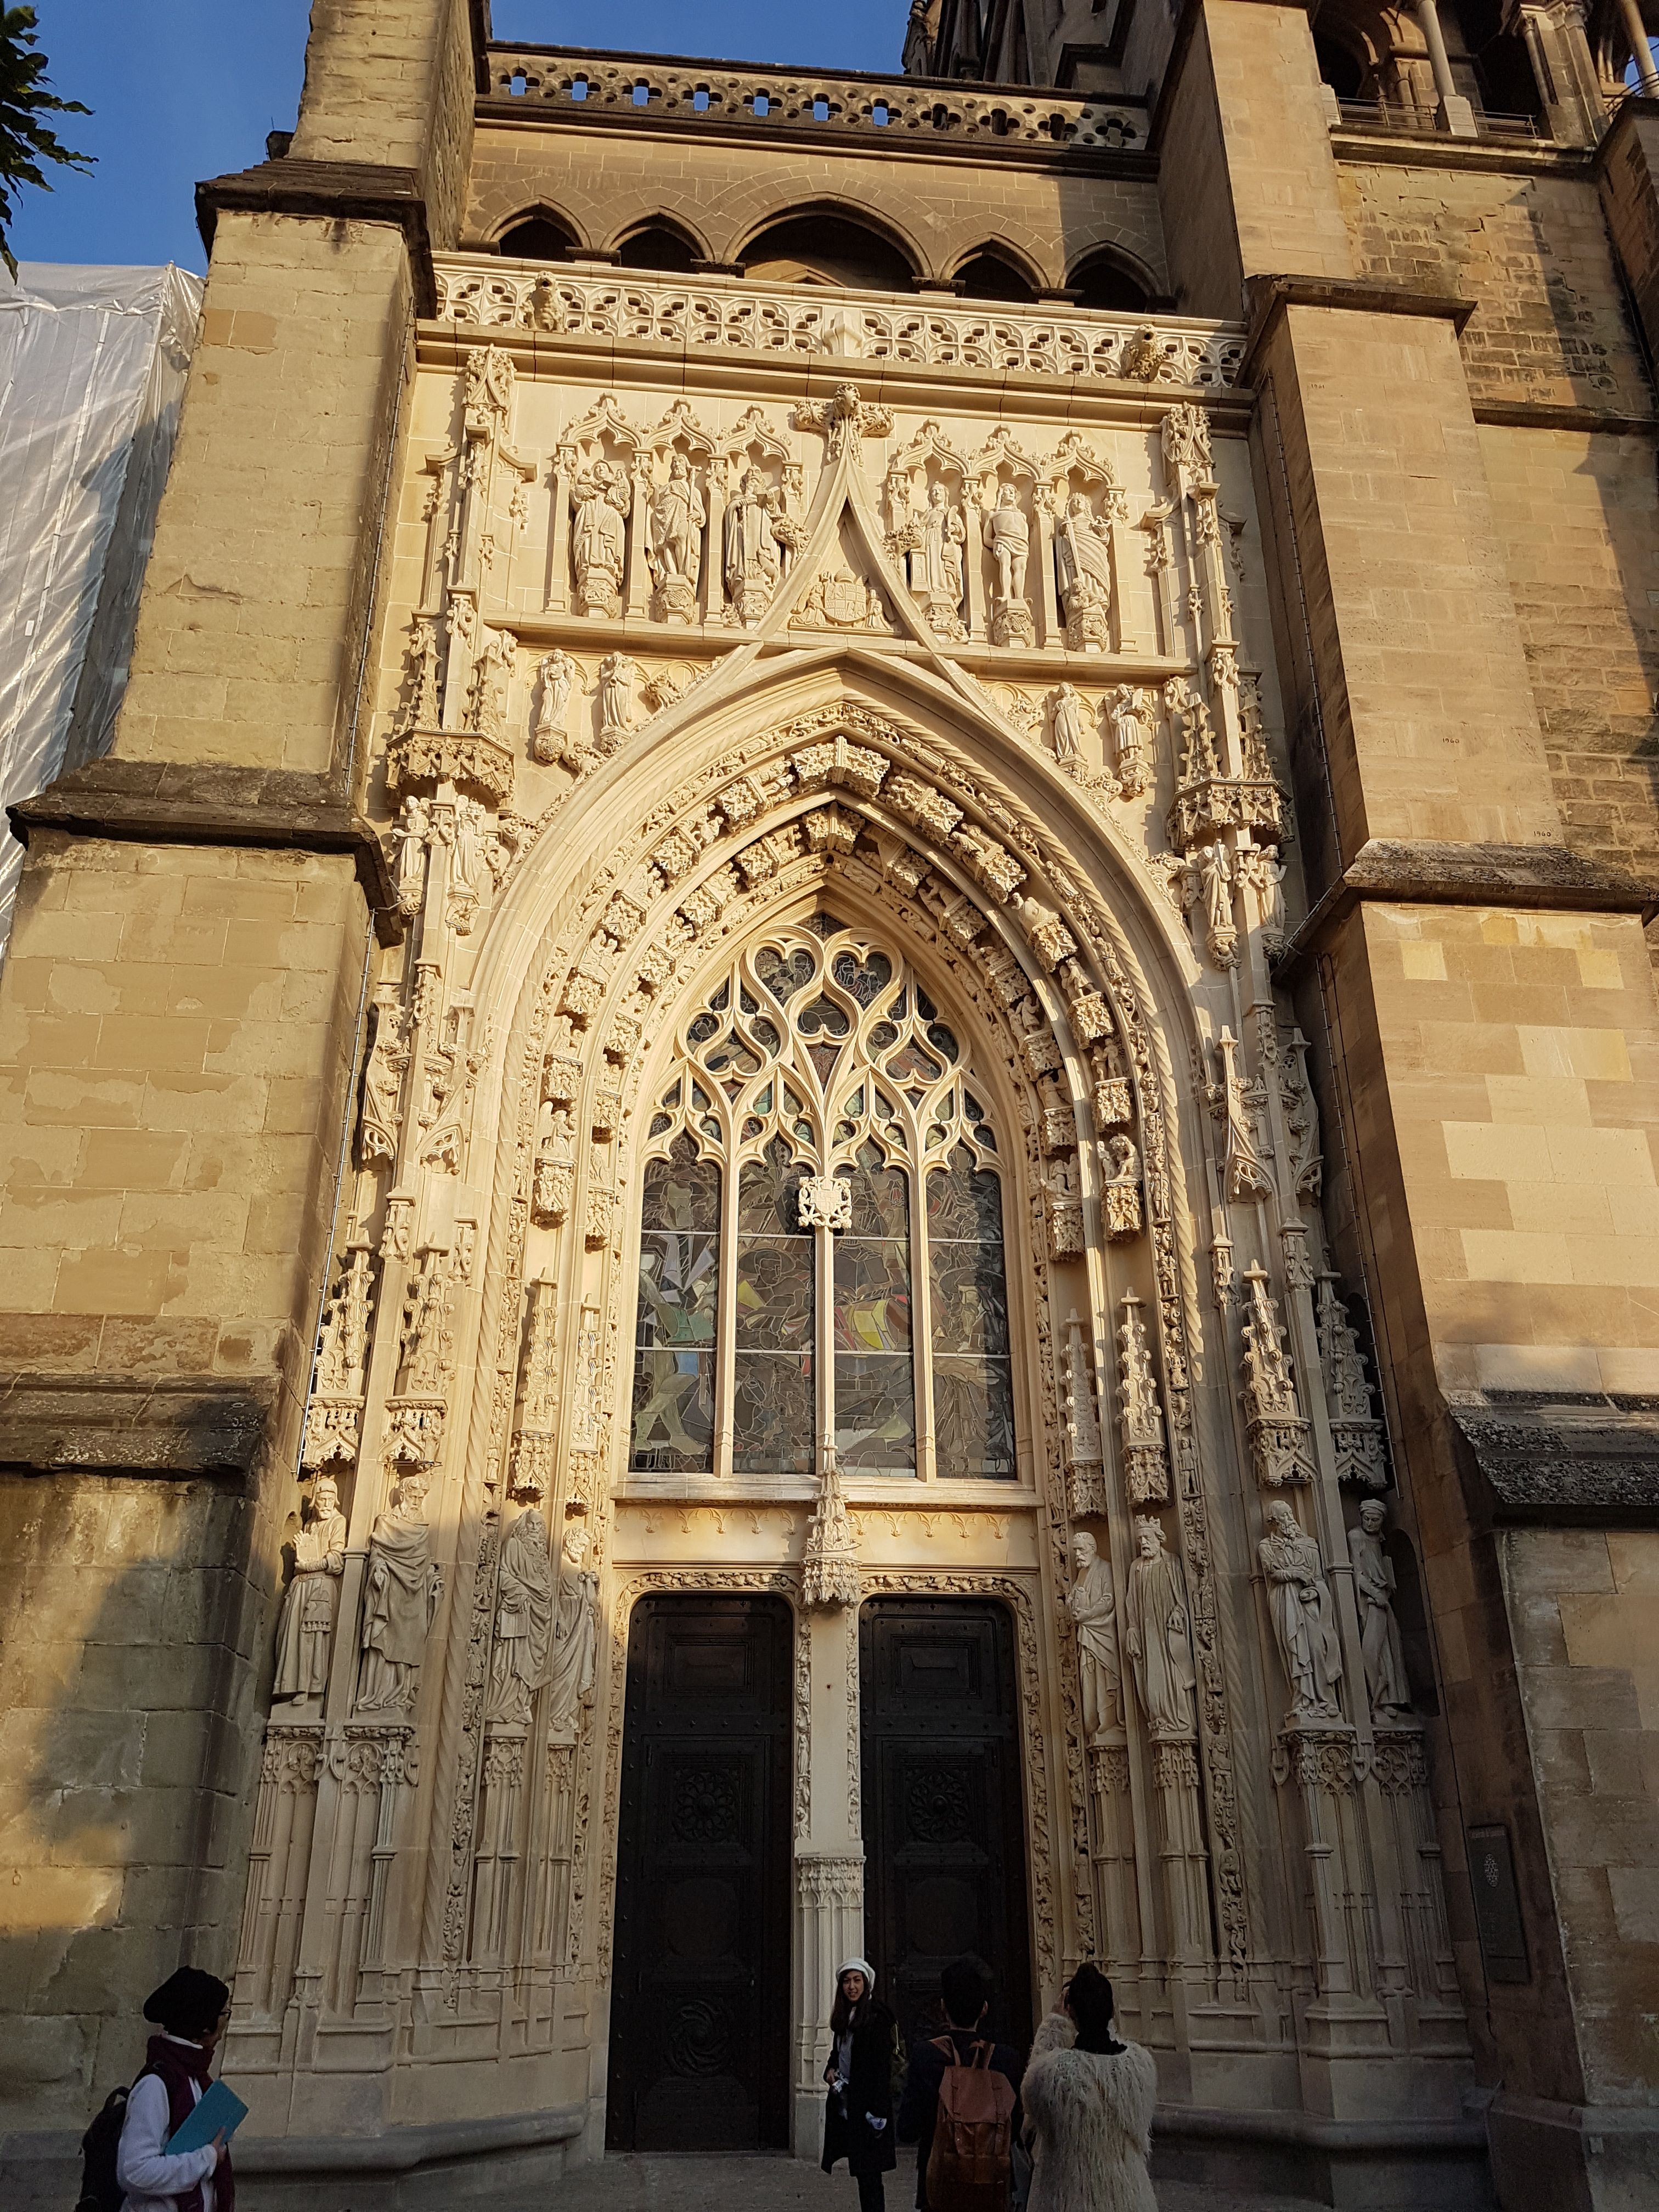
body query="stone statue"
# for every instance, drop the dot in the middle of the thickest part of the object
(942, 536)
(1132, 751)
(305, 1628)
(1068, 726)
(575, 1635)
(1093, 1611)
(752, 565)
(548, 740)
(676, 518)
(1084, 560)
(1305, 1620)
(400, 1598)
(1157, 1634)
(1374, 1586)
(413, 827)
(617, 676)
(598, 538)
(1008, 540)
(523, 1620)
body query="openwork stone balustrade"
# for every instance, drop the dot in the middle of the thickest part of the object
(704, 94)
(484, 293)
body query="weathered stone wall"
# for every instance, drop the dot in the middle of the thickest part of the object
(178, 1025)
(391, 81)
(1579, 518)
(1584, 1607)
(606, 184)
(1532, 250)
(248, 637)
(128, 1628)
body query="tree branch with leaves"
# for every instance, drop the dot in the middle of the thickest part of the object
(25, 141)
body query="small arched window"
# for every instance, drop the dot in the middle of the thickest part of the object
(1101, 280)
(827, 249)
(657, 247)
(821, 1237)
(1343, 72)
(537, 237)
(988, 276)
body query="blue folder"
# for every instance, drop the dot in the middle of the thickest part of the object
(220, 2108)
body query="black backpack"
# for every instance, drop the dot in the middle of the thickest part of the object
(99, 2191)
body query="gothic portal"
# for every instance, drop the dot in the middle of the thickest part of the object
(833, 1132)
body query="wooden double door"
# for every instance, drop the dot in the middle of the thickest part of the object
(700, 2021)
(700, 1992)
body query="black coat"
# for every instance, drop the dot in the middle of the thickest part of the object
(847, 2132)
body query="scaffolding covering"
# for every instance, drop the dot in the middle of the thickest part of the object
(93, 363)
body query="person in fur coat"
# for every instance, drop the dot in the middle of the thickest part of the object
(1089, 2102)
(858, 2120)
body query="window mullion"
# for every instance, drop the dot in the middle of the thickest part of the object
(726, 1340)
(921, 1325)
(825, 1333)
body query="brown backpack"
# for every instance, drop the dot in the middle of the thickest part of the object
(968, 2170)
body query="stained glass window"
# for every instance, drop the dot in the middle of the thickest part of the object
(678, 1309)
(773, 1429)
(973, 1390)
(819, 1054)
(875, 1375)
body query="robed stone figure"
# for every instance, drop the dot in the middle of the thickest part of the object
(575, 1637)
(1157, 1633)
(400, 1596)
(523, 1620)
(1303, 1618)
(1083, 557)
(1379, 1631)
(305, 1630)
(1093, 1610)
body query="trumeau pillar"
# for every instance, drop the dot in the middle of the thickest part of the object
(829, 1914)
(182, 1002)
(1487, 1042)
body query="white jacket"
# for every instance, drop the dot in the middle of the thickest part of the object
(1091, 2120)
(154, 2182)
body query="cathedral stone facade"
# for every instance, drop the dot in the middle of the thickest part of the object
(835, 1131)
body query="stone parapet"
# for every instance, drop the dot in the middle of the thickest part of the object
(726, 313)
(583, 87)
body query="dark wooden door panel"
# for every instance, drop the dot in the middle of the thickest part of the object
(700, 1995)
(945, 1834)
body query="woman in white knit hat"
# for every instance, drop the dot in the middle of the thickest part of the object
(858, 2123)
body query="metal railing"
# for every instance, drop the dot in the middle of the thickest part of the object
(1405, 120)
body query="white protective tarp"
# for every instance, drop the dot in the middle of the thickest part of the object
(92, 373)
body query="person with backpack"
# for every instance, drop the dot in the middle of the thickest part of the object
(971, 2084)
(857, 2122)
(132, 2172)
(1089, 2100)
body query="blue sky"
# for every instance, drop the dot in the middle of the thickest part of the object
(182, 89)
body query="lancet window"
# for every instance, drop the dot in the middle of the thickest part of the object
(821, 1231)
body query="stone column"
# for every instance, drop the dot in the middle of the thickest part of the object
(1647, 71)
(829, 1846)
(1117, 1904)
(1181, 1853)
(1455, 116)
